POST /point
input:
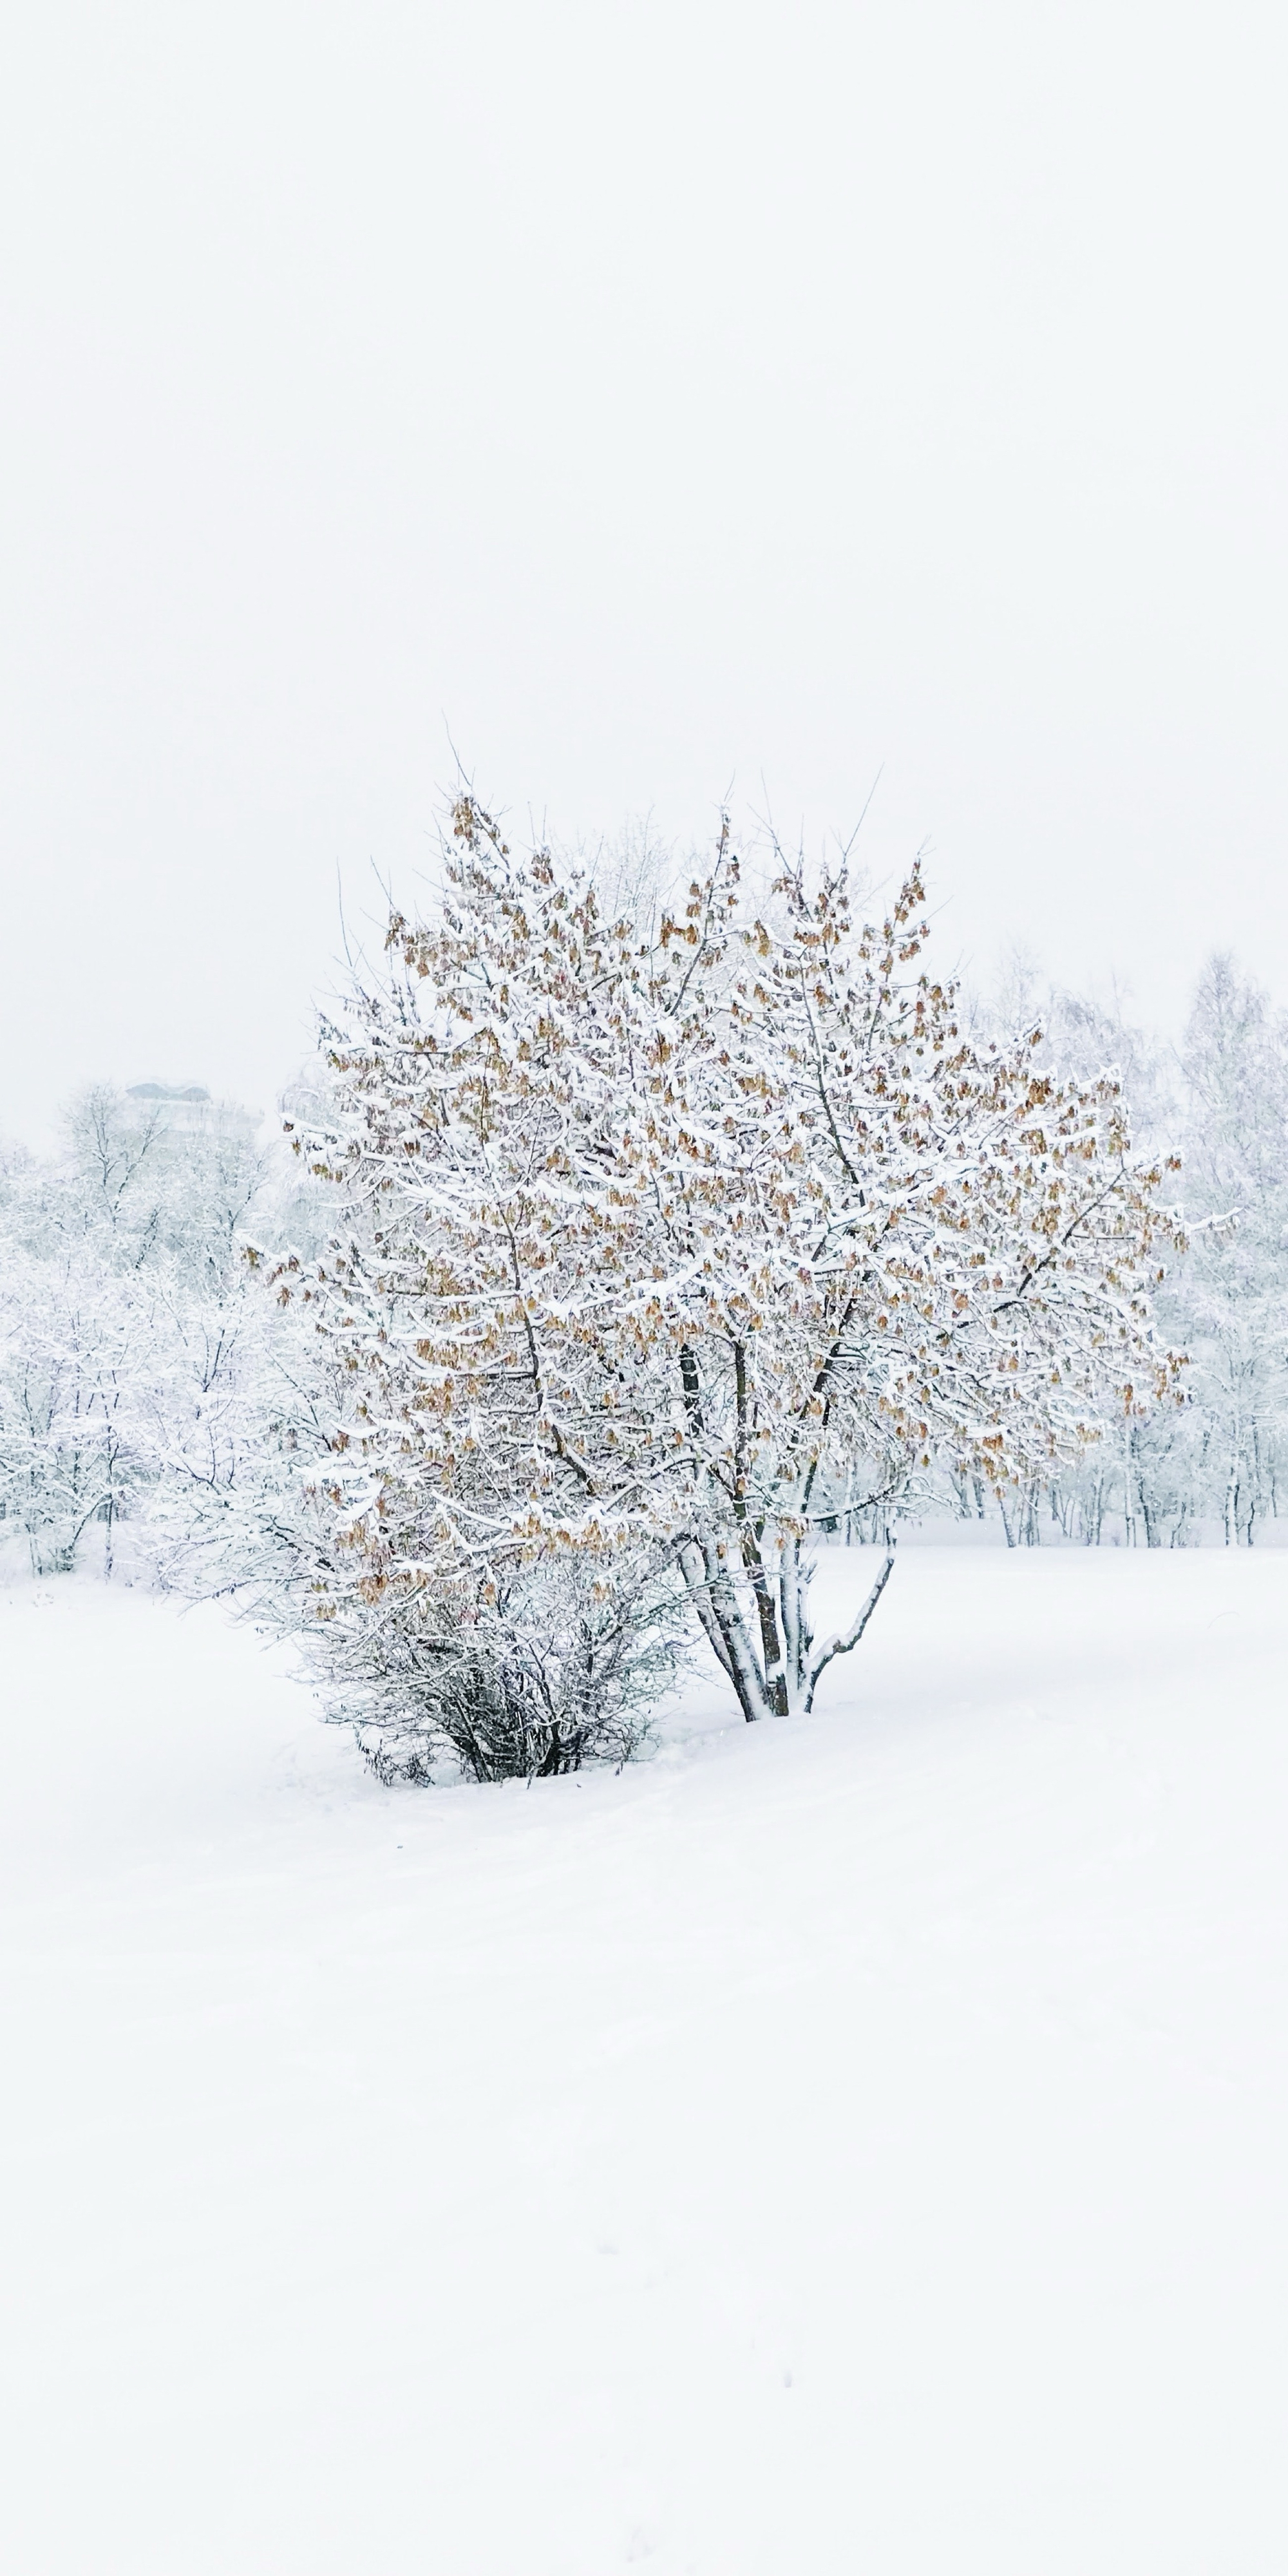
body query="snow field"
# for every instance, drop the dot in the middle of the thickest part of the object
(847, 2144)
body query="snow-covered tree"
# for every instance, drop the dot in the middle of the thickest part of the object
(653, 1246)
(123, 1317)
(73, 1368)
(1232, 1292)
(1220, 1102)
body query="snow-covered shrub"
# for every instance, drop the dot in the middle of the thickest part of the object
(565, 1666)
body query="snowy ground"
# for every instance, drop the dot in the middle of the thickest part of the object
(857, 2145)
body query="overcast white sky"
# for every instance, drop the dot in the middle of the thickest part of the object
(657, 397)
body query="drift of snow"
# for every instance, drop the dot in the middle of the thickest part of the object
(848, 2143)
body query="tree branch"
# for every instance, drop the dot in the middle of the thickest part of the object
(844, 1643)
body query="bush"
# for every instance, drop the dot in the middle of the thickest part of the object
(562, 1669)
